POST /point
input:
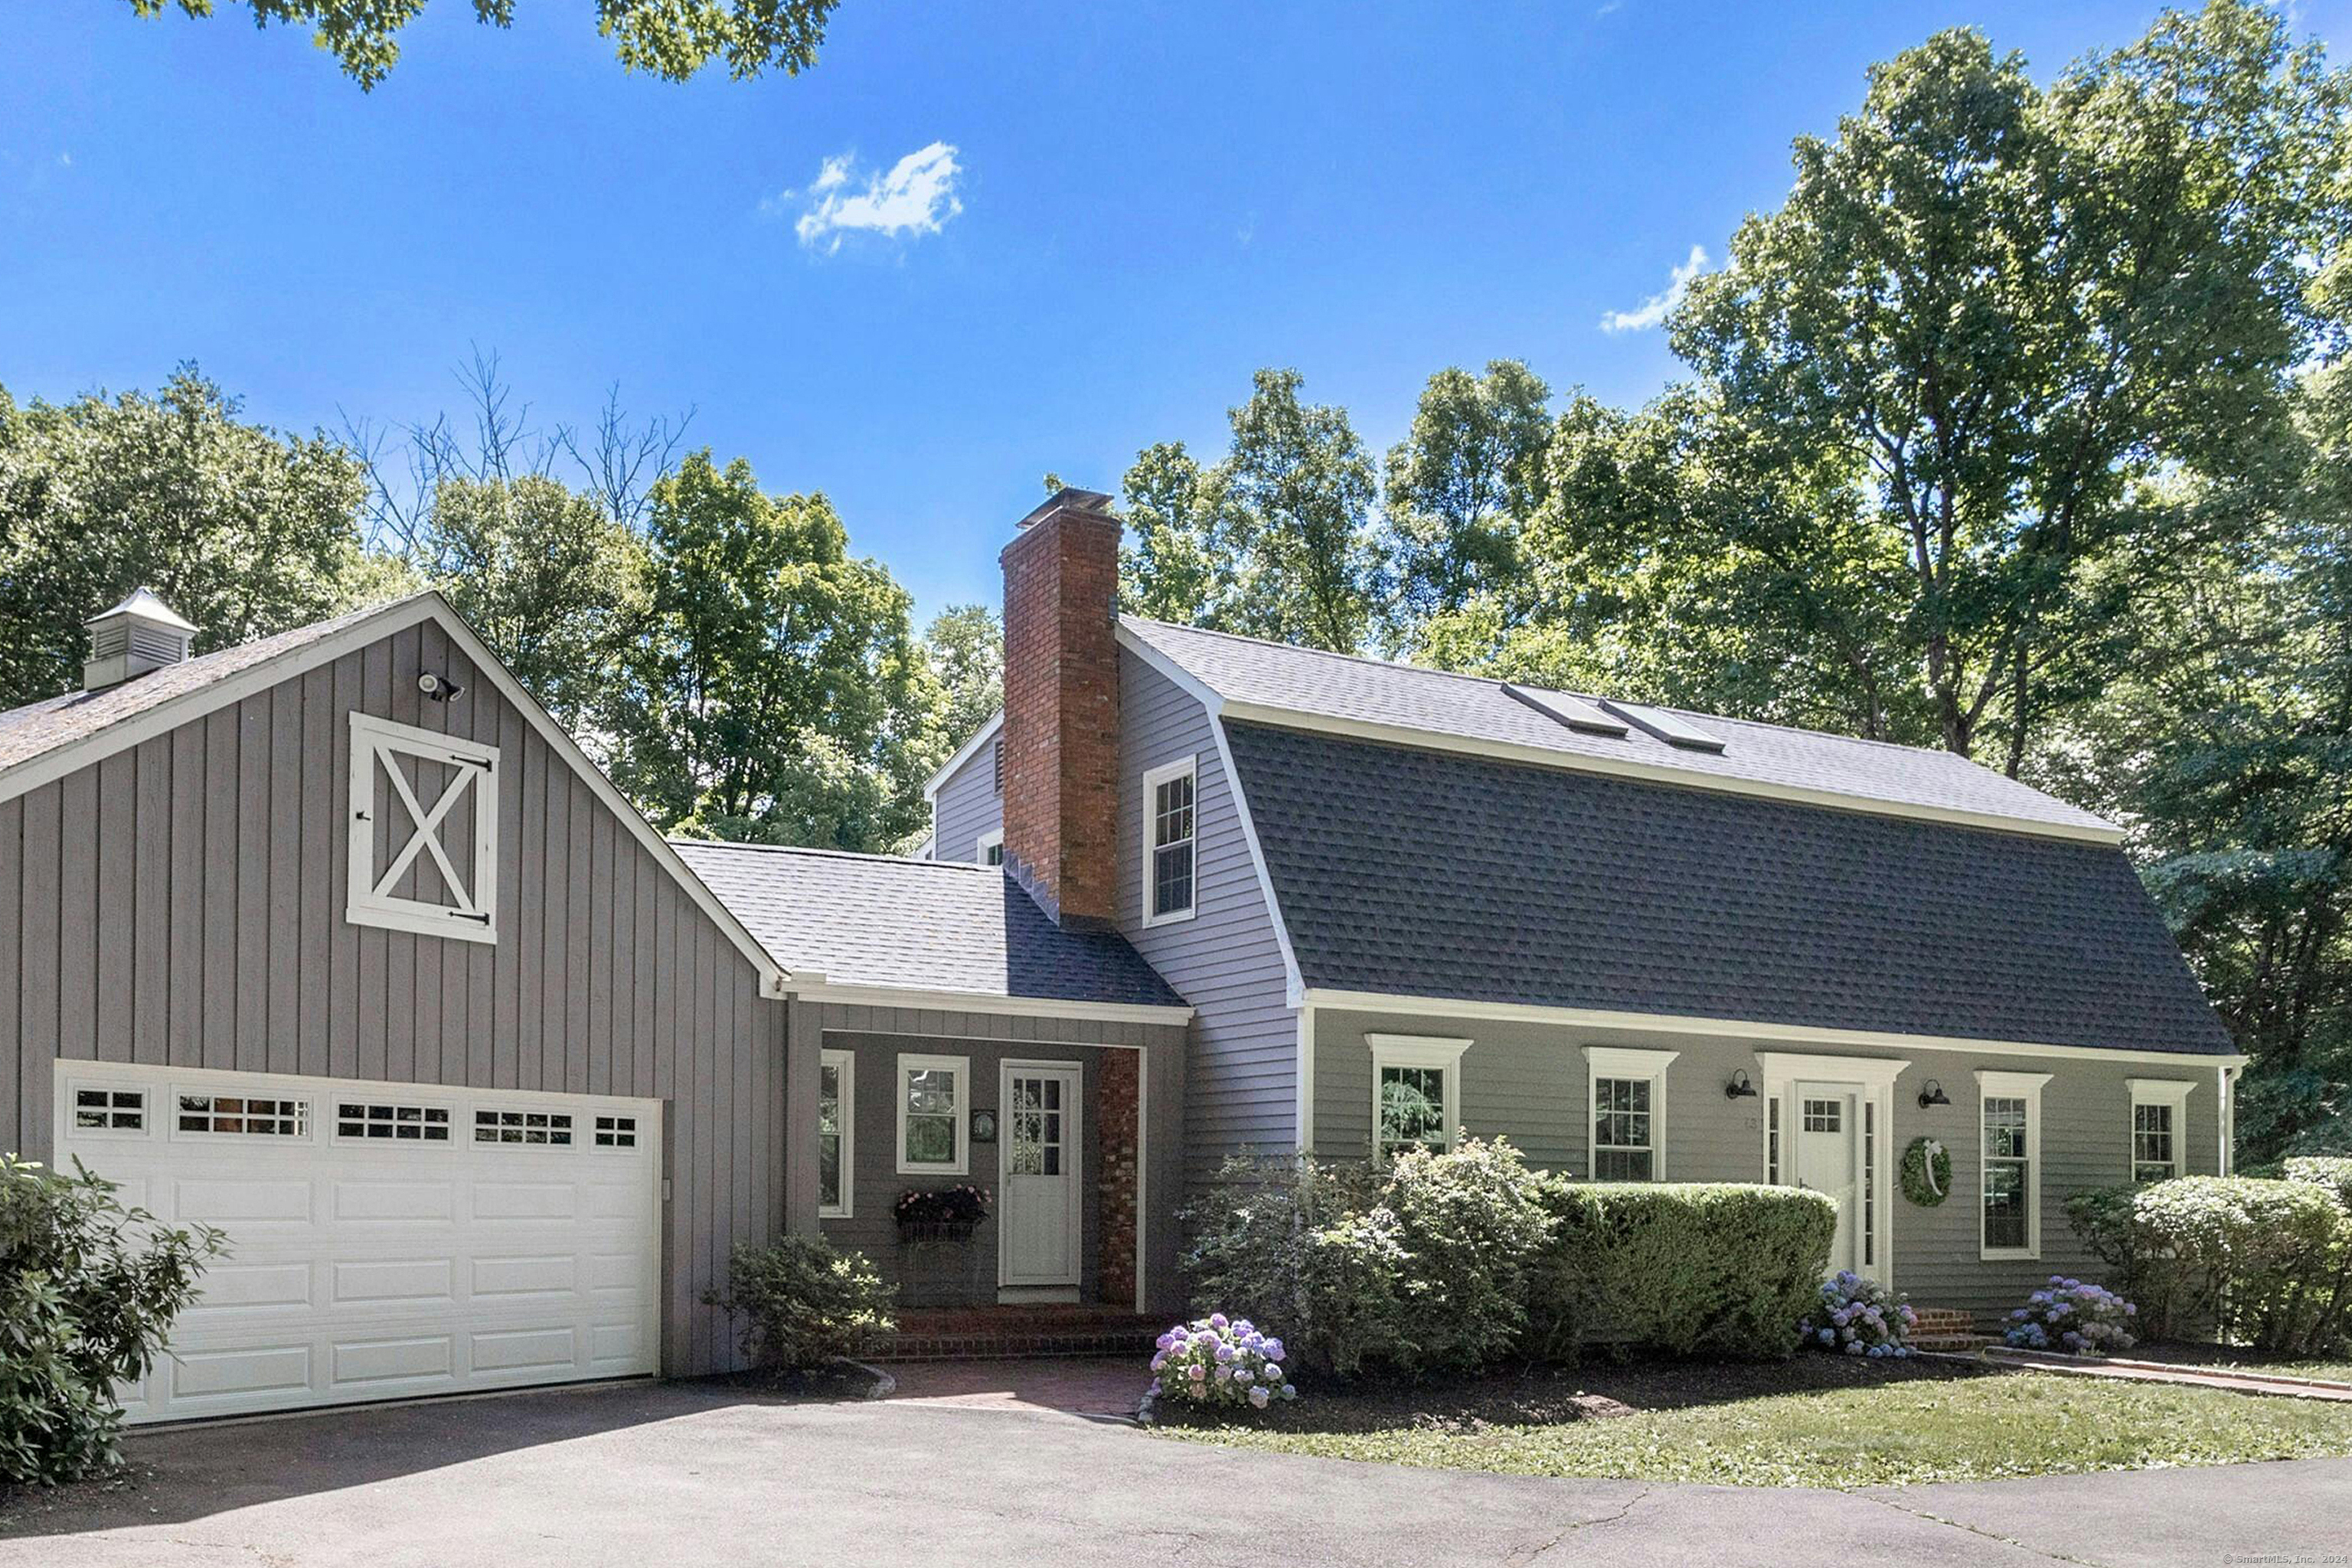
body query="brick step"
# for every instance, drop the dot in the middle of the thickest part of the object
(1955, 1345)
(996, 1346)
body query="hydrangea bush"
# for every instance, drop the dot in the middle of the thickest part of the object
(2068, 1315)
(1859, 1317)
(1220, 1360)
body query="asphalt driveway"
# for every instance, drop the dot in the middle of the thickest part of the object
(649, 1474)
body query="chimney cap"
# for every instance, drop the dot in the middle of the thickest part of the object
(143, 604)
(1068, 499)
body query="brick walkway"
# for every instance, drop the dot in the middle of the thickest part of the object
(2240, 1379)
(1077, 1386)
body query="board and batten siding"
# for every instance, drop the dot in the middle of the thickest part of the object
(966, 805)
(181, 903)
(1528, 1081)
(1241, 1091)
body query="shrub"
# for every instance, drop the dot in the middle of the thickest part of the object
(1220, 1360)
(2250, 1257)
(1856, 1316)
(2068, 1315)
(802, 1301)
(1421, 1261)
(1684, 1268)
(86, 1299)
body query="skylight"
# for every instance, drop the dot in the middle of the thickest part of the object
(1673, 729)
(1573, 711)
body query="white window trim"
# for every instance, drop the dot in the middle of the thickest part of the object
(1442, 1052)
(2027, 1086)
(2167, 1091)
(1625, 1061)
(149, 1118)
(1781, 1071)
(313, 1128)
(334, 1120)
(1182, 767)
(962, 1067)
(367, 903)
(579, 1122)
(845, 1064)
(993, 839)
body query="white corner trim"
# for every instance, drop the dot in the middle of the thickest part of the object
(1212, 705)
(914, 1061)
(1660, 774)
(989, 1001)
(1303, 1111)
(844, 1066)
(1187, 767)
(1875, 1072)
(1740, 1029)
(964, 753)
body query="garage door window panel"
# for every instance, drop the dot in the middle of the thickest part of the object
(381, 1122)
(115, 1110)
(243, 1116)
(532, 1129)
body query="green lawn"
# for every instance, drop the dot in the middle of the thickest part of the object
(1894, 1432)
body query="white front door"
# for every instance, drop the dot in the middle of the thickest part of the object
(1829, 1136)
(386, 1241)
(1041, 1152)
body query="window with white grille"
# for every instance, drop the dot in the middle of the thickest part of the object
(1167, 831)
(244, 1116)
(616, 1133)
(110, 1111)
(379, 1122)
(540, 1127)
(423, 831)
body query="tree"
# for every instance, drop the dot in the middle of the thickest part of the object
(1459, 489)
(1276, 540)
(775, 690)
(966, 647)
(2013, 310)
(243, 530)
(670, 39)
(551, 580)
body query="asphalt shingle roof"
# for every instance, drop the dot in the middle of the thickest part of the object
(38, 728)
(877, 919)
(1472, 708)
(1439, 874)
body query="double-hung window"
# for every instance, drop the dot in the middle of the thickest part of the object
(2159, 1124)
(1627, 1091)
(836, 1078)
(931, 1095)
(1416, 1092)
(2008, 1112)
(1168, 842)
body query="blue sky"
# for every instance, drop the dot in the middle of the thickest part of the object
(1143, 203)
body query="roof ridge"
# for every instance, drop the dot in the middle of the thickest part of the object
(826, 851)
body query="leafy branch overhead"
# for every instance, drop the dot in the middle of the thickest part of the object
(669, 39)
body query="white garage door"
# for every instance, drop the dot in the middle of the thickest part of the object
(386, 1241)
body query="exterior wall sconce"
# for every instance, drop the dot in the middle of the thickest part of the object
(1739, 1087)
(1932, 1093)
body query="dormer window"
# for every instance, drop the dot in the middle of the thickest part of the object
(423, 831)
(1168, 834)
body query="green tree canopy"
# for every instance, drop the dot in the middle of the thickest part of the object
(670, 39)
(243, 530)
(775, 690)
(965, 644)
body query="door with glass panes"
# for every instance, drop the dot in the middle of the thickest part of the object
(1041, 1151)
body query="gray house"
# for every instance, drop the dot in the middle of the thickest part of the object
(337, 940)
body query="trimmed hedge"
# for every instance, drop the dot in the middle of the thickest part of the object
(2262, 1261)
(1721, 1267)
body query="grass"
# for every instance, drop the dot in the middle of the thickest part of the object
(1881, 1431)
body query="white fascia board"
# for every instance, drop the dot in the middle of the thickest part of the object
(1655, 773)
(1745, 1030)
(394, 618)
(980, 737)
(989, 1001)
(1294, 986)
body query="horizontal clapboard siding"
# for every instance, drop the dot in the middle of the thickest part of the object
(181, 903)
(967, 805)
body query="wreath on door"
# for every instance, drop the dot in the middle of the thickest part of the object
(1926, 1172)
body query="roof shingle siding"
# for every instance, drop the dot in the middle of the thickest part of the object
(1424, 873)
(877, 919)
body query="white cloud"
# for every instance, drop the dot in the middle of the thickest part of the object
(914, 196)
(1653, 311)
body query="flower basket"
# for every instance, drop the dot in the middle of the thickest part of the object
(941, 1214)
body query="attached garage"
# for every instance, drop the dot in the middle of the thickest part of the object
(336, 942)
(388, 1240)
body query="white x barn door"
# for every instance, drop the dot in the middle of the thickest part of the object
(424, 850)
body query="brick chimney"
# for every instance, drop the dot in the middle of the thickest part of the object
(1061, 708)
